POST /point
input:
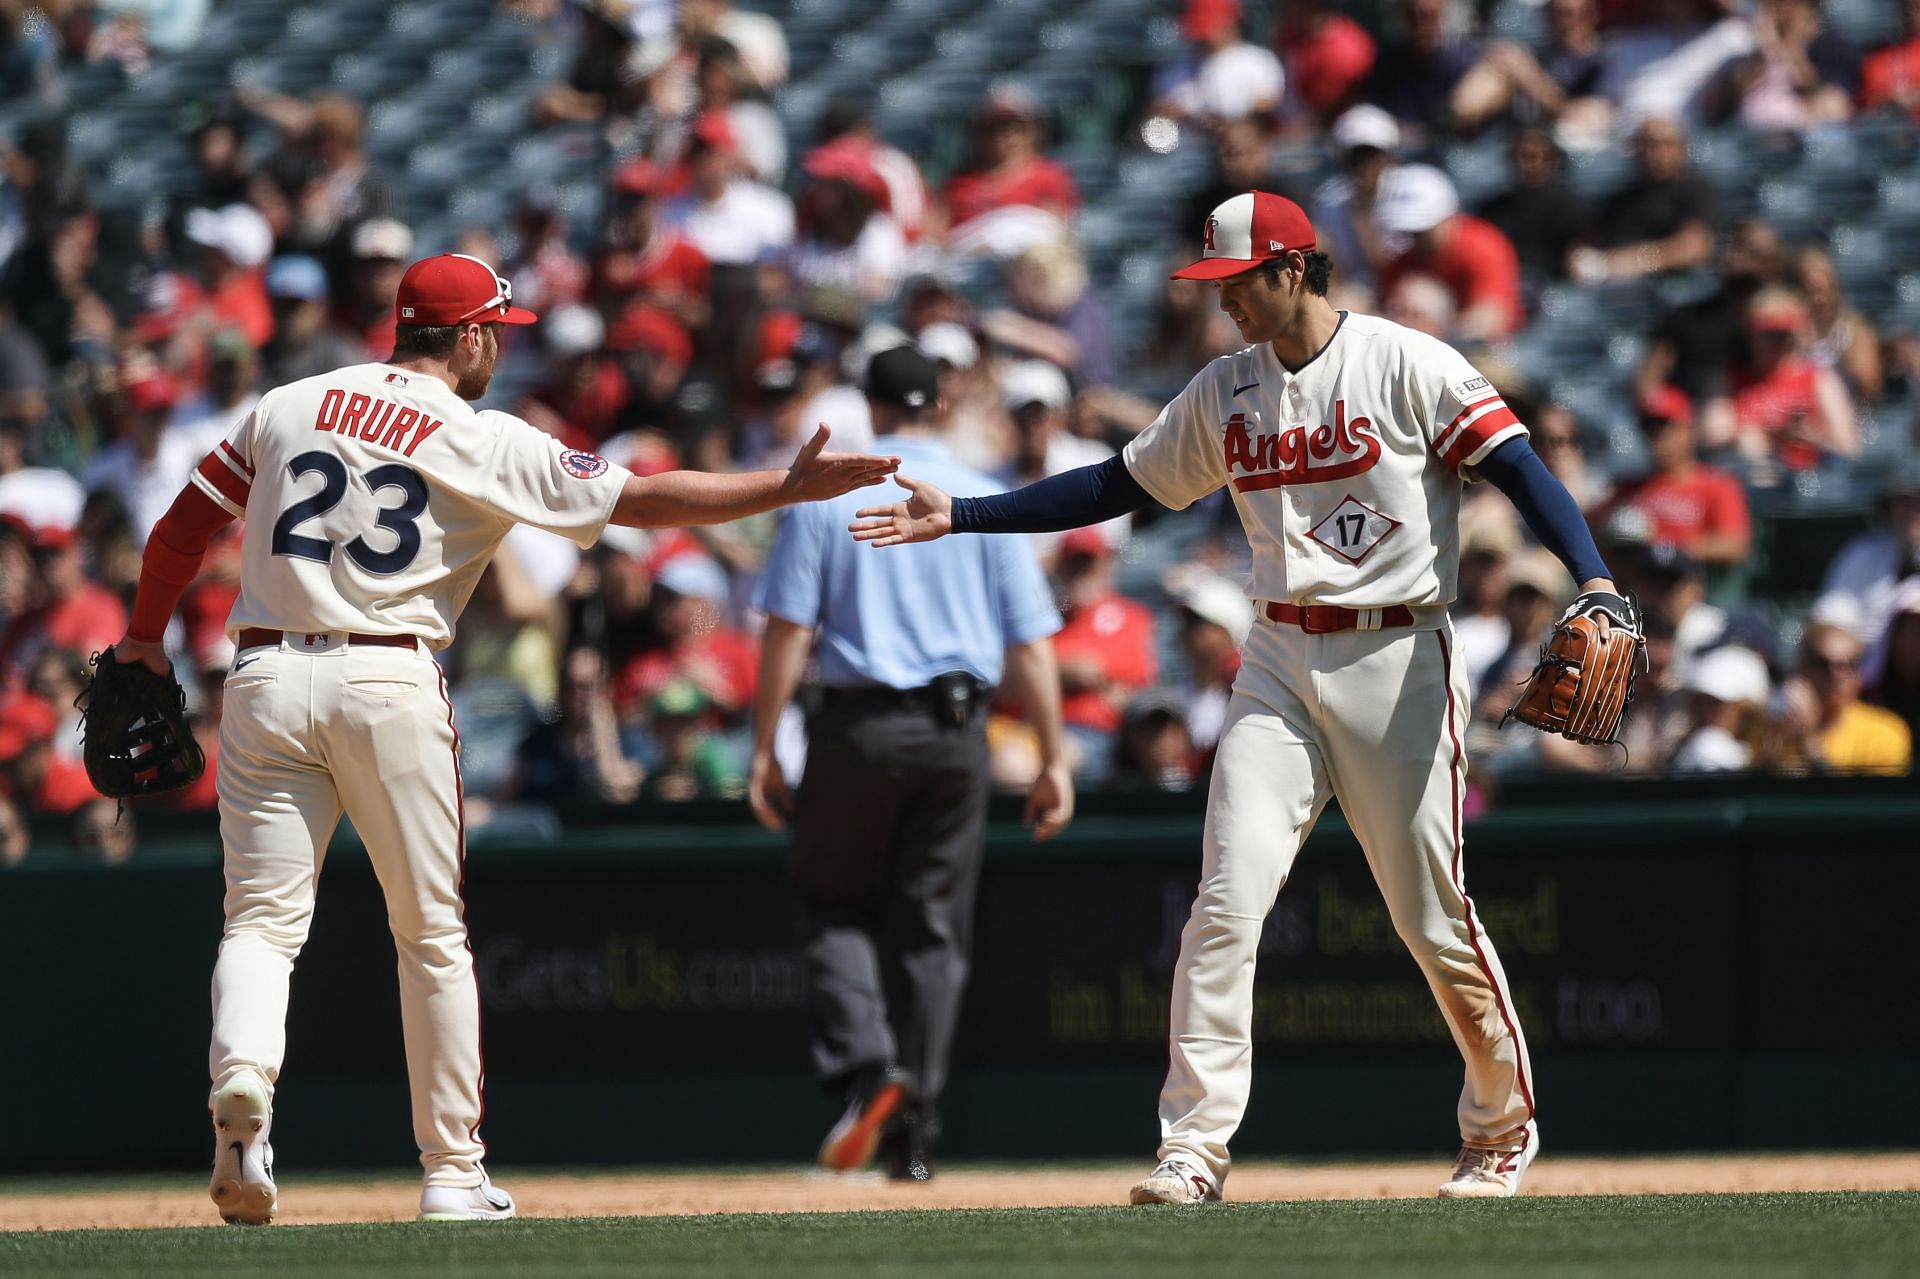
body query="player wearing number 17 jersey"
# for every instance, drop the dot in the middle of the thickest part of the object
(374, 497)
(1344, 441)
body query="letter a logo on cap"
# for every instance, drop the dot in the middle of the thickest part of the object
(1245, 231)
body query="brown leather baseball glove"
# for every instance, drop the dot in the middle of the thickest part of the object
(1584, 681)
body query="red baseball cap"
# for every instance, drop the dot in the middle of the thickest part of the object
(1247, 230)
(1666, 403)
(643, 327)
(25, 720)
(848, 161)
(456, 289)
(1202, 19)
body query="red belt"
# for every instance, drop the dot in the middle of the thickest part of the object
(1318, 619)
(256, 636)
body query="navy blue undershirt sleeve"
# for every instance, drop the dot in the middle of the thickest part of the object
(1544, 503)
(1071, 499)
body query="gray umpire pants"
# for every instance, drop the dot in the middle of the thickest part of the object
(889, 827)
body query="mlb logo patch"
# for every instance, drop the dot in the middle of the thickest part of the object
(396, 379)
(582, 465)
(406, 313)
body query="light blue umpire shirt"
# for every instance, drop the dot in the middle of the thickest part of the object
(901, 615)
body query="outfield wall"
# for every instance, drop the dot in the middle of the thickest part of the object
(1695, 970)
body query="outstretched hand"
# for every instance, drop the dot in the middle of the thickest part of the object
(817, 475)
(925, 515)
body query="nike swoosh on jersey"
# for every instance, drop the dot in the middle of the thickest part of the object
(1248, 387)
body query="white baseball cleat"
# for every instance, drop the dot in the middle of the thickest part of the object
(242, 1187)
(484, 1202)
(1479, 1173)
(1174, 1182)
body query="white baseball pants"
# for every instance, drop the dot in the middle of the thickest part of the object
(1377, 718)
(311, 729)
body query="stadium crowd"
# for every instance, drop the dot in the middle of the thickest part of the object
(739, 268)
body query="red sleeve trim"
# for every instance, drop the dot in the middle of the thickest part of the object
(1483, 429)
(233, 455)
(215, 471)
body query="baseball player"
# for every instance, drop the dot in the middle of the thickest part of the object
(373, 498)
(1345, 441)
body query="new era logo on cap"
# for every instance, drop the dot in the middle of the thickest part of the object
(1247, 230)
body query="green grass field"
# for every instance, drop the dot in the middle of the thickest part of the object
(1698, 1236)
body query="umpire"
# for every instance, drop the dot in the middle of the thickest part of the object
(890, 819)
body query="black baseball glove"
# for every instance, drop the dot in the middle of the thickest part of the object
(136, 734)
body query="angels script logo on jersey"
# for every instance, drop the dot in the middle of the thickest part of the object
(582, 465)
(1300, 455)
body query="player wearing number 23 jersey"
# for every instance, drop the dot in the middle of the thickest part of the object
(374, 497)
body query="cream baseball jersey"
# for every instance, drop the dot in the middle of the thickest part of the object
(374, 497)
(1346, 473)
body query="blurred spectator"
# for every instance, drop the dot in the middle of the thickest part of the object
(102, 833)
(1474, 259)
(1345, 207)
(1701, 509)
(223, 172)
(1421, 302)
(653, 350)
(725, 88)
(1838, 337)
(233, 388)
(1414, 74)
(1326, 55)
(305, 341)
(1215, 617)
(1820, 721)
(15, 838)
(1012, 195)
(335, 188)
(1480, 622)
(1036, 395)
(63, 609)
(1729, 689)
(1056, 316)
(578, 757)
(728, 216)
(1662, 54)
(29, 767)
(1799, 75)
(849, 122)
(237, 244)
(1555, 433)
(691, 640)
(1782, 409)
(1898, 686)
(644, 259)
(1672, 593)
(1697, 345)
(545, 270)
(29, 59)
(758, 37)
(1864, 576)
(382, 248)
(585, 393)
(1189, 330)
(146, 464)
(1540, 213)
(1225, 78)
(1663, 221)
(1105, 649)
(69, 285)
(847, 239)
(1154, 749)
(610, 73)
(35, 495)
(1536, 587)
(1557, 87)
(1890, 77)
(691, 761)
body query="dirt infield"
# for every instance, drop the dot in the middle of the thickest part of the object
(673, 1194)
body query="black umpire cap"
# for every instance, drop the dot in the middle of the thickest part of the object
(903, 379)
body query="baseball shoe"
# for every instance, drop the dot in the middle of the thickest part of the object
(1174, 1182)
(484, 1202)
(908, 1146)
(1479, 1173)
(242, 1187)
(873, 1101)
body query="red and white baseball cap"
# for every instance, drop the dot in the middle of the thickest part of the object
(456, 289)
(1247, 230)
